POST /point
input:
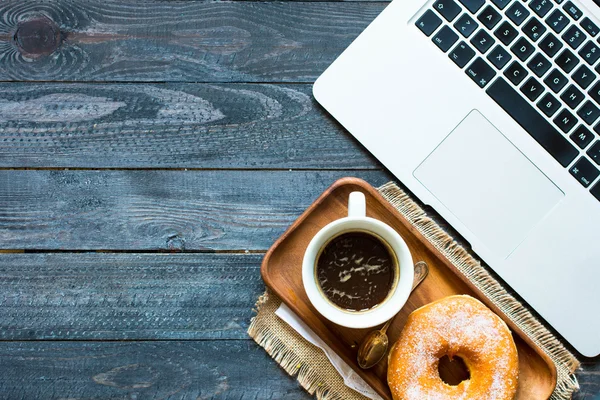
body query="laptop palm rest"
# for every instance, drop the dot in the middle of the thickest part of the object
(503, 194)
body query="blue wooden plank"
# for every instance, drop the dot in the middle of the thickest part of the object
(171, 126)
(156, 210)
(236, 369)
(126, 296)
(181, 41)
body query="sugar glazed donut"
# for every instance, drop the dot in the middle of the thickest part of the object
(454, 326)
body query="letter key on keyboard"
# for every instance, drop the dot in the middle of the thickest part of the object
(516, 73)
(582, 136)
(565, 120)
(482, 41)
(555, 80)
(506, 33)
(517, 13)
(499, 57)
(489, 17)
(589, 113)
(532, 121)
(550, 45)
(522, 49)
(572, 97)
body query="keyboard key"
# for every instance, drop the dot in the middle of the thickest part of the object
(584, 77)
(506, 33)
(594, 152)
(567, 61)
(558, 1)
(499, 57)
(461, 54)
(589, 113)
(541, 7)
(515, 73)
(590, 53)
(539, 64)
(549, 105)
(501, 4)
(480, 72)
(532, 89)
(574, 36)
(466, 25)
(555, 80)
(550, 45)
(572, 10)
(572, 97)
(482, 41)
(565, 120)
(473, 5)
(532, 121)
(428, 22)
(447, 8)
(582, 136)
(594, 92)
(522, 49)
(534, 29)
(445, 38)
(589, 26)
(557, 21)
(517, 13)
(584, 171)
(596, 191)
(489, 17)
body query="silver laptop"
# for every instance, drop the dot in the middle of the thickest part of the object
(489, 111)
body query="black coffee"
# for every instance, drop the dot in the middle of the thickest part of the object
(356, 271)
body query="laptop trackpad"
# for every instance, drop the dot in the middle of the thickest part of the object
(488, 184)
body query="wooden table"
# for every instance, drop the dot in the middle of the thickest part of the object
(150, 153)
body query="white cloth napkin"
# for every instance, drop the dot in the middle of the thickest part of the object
(351, 378)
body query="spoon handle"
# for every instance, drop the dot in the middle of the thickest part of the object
(386, 326)
(421, 271)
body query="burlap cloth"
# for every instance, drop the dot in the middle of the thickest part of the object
(316, 374)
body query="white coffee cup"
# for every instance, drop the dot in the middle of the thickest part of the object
(358, 221)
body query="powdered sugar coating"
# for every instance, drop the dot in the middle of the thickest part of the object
(454, 326)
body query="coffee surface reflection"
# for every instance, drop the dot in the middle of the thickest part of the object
(356, 271)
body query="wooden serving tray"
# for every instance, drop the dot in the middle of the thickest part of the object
(281, 271)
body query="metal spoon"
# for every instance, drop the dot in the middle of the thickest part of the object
(375, 345)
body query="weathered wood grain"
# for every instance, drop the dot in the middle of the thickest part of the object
(171, 126)
(126, 296)
(236, 369)
(175, 41)
(589, 380)
(143, 370)
(156, 210)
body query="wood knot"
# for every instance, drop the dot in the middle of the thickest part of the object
(37, 37)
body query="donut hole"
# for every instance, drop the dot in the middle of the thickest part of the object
(453, 371)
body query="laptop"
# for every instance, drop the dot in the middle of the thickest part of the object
(489, 112)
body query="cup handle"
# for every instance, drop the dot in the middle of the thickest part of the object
(357, 205)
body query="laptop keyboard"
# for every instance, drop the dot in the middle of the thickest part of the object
(538, 59)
